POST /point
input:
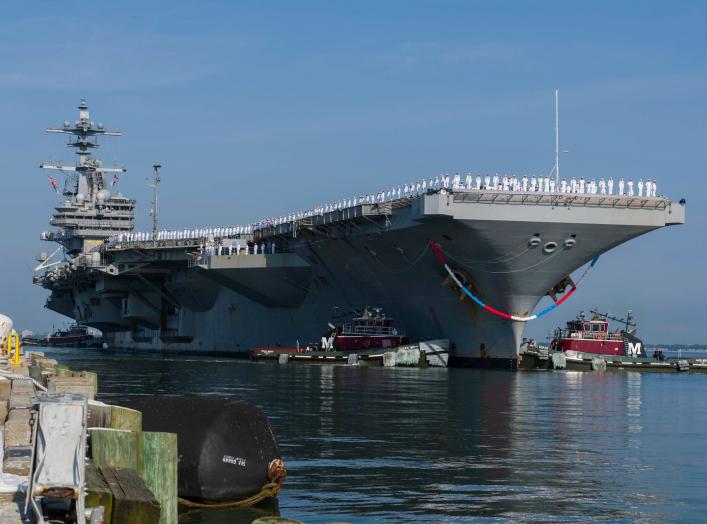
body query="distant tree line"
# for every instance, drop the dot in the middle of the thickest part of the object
(675, 347)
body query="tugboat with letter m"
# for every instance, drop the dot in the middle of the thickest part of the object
(370, 338)
(593, 336)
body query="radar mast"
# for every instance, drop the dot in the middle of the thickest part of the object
(90, 214)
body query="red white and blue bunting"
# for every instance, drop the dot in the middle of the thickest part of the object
(502, 314)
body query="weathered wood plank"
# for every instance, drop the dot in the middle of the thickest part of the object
(133, 502)
(69, 384)
(92, 378)
(159, 469)
(98, 414)
(125, 418)
(116, 448)
(98, 492)
(63, 371)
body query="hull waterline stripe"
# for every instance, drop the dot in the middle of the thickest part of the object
(496, 312)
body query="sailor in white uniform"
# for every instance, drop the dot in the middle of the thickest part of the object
(467, 181)
(563, 186)
(478, 182)
(610, 186)
(621, 186)
(640, 187)
(533, 183)
(524, 183)
(487, 182)
(602, 186)
(495, 181)
(573, 185)
(630, 187)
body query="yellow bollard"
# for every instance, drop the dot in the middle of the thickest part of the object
(13, 342)
(18, 351)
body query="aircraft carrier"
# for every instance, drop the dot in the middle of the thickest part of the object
(454, 261)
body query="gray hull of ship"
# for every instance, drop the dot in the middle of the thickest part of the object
(346, 260)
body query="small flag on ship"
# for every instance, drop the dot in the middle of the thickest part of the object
(115, 181)
(54, 184)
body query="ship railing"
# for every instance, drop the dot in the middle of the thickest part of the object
(350, 329)
(481, 196)
(149, 244)
(591, 336)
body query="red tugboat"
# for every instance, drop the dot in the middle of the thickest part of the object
(370, 339)
(77, 335)
(593, 336)
(371, 330)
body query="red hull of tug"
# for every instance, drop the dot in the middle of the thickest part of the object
(352, 343)
(593, 337)
(601, 347)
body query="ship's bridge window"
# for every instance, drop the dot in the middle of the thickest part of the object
(596, 327)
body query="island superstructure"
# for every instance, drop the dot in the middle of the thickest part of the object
(277, 282)
(89, 213)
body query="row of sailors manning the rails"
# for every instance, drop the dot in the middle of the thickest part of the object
(488, 183)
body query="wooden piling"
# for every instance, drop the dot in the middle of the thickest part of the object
(125, 418)
(133, 503)
(98, 492)
(158, 454)
(114, 447)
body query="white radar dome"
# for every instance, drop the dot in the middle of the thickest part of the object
(103, 195)
(80, 198)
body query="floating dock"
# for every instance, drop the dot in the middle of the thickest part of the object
(542, 358)
(429, 353)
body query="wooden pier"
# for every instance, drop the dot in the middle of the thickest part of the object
(130, 475)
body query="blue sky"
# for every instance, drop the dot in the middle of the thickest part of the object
(256, 108)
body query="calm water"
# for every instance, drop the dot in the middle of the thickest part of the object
(404, 445)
